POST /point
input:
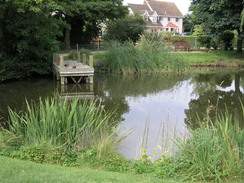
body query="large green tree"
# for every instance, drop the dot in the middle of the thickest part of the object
(216, 16)
(30, 30)
(84, 16)
(28, 36)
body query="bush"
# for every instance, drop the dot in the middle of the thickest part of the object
(125, 29)
(227, 38)
(207, 41)
(29, 40)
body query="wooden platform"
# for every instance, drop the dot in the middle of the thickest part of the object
(75, 70)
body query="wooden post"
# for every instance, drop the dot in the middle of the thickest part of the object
(62, 81)
(73, 56)
(57, 59)
(61, 61)
(78, 56)
(91, 61)
(91, 79)
(84, 58)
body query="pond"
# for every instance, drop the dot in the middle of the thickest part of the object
(153, 109)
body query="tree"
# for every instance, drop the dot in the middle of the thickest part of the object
(187, 23)
(124, 29)
(84, 16)
(28, 38)
(216, 16)
(227, 37)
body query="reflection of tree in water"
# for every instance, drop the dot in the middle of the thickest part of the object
(212, 102)
(113, 90)
(14, 94)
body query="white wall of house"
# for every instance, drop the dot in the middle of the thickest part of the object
(179, 24)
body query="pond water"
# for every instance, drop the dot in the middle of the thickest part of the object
(153, 109)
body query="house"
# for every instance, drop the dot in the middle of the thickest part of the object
(159, 15)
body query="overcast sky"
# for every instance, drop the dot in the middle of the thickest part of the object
(183, 5)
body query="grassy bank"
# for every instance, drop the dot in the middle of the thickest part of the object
(228, 58)
(149, 55)
(19, 171)
(80, 134)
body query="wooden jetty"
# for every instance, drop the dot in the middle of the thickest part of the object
(73, 69)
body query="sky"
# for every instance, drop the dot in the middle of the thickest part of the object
(183, 5)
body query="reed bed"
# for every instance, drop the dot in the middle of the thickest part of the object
(149, 55)
(215, 151)
(73, 124)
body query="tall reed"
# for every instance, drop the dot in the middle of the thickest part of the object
(215, 151)
(149, 55)
(73, 124)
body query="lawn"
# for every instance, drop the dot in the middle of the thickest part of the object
(18, 171)
(220, 56)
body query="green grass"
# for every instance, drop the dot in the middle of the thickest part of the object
(60, 131)
(19, 171)
(215, 151)
(149, 55)
(224, 57)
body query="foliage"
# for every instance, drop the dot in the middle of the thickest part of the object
(198, 30)
(187, 23)
(83, 17)
(72, 124)
(207, 41)
(215, 151)
(125, 29)
(149, 55)
(218, 16)
(227, 37)
(28, 41)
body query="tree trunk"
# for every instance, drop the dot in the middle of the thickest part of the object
(239, 45)
(237, 83)
(67, 38)
(239, 41)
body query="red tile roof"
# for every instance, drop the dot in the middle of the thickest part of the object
(171, 25)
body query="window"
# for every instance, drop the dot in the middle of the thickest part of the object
(161, 19)
(161, 29)
(154, 19)
(177, 19)
(167, 29)
(172, 29)
(146, 18)
(169, 19)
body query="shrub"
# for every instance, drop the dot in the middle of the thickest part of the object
(227, 38)
(128, 28)
(207, 41)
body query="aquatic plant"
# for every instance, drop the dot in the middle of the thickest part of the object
(149, 55)
(74, 124)
(215, 150)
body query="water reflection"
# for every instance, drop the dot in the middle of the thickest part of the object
(153, 108)
(220, 92)
(72, 91)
